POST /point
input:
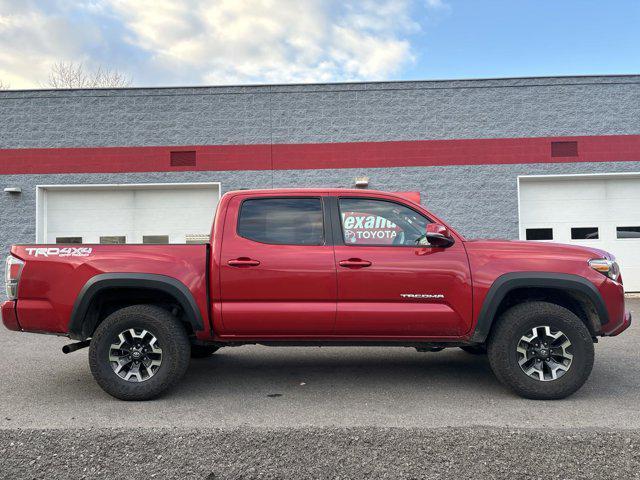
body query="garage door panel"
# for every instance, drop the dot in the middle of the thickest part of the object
(173, 198)
(583, 210)
(174, 219)
(87, 217)
(624, 218)
(132, 212)
(623, 189)
(605, 203)
(558, 190)
(95, 200)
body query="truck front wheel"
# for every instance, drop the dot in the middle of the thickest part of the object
(541, 351)
(138, 352)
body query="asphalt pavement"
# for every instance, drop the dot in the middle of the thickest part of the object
(262, 399)
(320, 453)
(311, 386)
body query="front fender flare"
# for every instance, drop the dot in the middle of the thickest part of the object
(511, 281)
(78, 326)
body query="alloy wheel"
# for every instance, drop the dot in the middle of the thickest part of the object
(544, 354)
(136, 356)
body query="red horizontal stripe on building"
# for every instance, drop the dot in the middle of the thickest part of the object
(609, 148)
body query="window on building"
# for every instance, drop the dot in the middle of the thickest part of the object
(282, 221)
(539, 233)
(628, 232)
(381, 223)
(113, 239)
(584, 233)
(68, 239)
(196, 238)
(155, 239)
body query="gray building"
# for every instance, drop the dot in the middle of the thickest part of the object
(549, 159)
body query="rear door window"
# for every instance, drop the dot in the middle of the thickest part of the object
(282, 221)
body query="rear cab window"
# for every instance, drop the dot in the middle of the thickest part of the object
(282, 221)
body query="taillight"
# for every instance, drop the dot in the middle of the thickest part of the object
(12, 271)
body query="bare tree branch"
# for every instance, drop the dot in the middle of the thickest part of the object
(4, 85)
(75, 75)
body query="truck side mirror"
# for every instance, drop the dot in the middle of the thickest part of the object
(439, 236)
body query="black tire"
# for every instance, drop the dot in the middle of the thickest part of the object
(203, 351)
(475, 349)
(171, 337)
(521, 319)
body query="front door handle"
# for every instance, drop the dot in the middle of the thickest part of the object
(354, 263)
(243, 262)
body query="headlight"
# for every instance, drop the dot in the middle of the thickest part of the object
(606, 267)
(12, 271)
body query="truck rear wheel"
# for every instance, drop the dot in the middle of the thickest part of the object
(138, 352)
(541, 351)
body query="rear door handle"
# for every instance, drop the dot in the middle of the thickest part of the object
(243, 262)
(354, 263)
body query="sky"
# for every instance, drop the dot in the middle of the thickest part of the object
(224, 42)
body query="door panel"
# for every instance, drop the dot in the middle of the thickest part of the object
(406, 291)
(384, 298)
(276, 289)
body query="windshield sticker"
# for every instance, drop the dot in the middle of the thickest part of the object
(365, 229)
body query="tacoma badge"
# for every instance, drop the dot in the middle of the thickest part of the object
(421, 295)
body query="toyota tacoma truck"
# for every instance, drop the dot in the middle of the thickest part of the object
(318, 267)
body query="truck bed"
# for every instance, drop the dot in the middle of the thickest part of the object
(54, 275)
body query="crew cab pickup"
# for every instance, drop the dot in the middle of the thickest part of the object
(321, 267)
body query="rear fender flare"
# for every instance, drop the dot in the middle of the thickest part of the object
(78, 325)
(511, 281)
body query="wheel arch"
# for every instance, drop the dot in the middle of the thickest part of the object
(570, 291)
(122, 289)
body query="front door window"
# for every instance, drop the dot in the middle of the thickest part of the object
(378, 222)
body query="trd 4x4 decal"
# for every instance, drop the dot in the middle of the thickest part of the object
(59, 251)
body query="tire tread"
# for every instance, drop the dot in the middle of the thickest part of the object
(174, 341)
(511, 325)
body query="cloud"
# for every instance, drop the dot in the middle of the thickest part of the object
(31, 39)
(437, 4)
(222, 42)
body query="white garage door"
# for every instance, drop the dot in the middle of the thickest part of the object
(167, 213)
(598, 211)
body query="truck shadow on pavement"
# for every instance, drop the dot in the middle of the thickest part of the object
(235, 375)
(338, 369)
(369, 372)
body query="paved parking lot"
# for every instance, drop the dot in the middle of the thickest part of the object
(269, 403)
(291, 387)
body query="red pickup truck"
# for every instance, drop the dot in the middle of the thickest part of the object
(321, 267)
